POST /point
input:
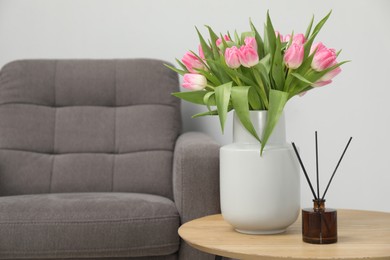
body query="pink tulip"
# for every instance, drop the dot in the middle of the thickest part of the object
(232, 57)
(192, 62)
(286, 38)
(293, 56)
(201, 53)
(194, 81)
(219, 41)
(251, 41)
(277, 34)
(248, 56)
(321, 83)
(323, 58)
(317, 46)
(327, 78)
(331, 74)
(298, 38)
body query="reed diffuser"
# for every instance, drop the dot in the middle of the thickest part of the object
(319, 224)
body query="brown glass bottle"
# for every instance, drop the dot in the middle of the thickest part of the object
(319, 224)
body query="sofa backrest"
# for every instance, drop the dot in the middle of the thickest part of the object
(87, 126)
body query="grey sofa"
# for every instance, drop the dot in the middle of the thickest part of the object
(92, 163)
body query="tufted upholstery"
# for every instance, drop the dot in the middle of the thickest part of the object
(87, 126)
(92, 165)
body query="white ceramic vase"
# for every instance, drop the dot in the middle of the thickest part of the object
(259, 195)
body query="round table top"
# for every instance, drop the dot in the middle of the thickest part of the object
(361, 235)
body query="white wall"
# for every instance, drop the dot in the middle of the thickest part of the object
(356, 104)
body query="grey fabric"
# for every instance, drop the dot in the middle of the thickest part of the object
(196, 182)
(87, 225)
(164, 257)
(88, 82)
(88, 152)
(84, 117)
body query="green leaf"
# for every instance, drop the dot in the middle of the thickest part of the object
(321, 23)
(259, 40)
(306, 64)
(205, 47)
(207, 99)
(277, 101)
(222, 98)
(301, 78)
(266, 61)
(316, 30)
(200, 59)
(261, 90)
(214, 39)
(237, 38)
(308, 30)
(208, 113)
(266, 41)
(181, 65)
(264, 72)
(271, 36)
(181, 72)
(313, 76)
(195, 97)
(278, 66)
(254, 99)
(308, 44)
(231, 73)
(240, 105)
(210, 77)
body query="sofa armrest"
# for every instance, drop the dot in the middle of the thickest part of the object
(196, 176)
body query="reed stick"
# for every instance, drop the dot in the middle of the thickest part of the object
(317, 172)
(337, 166)
(304, 171)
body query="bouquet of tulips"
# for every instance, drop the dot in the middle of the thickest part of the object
(247, 72)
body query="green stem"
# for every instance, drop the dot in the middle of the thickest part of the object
(262, 93)
(238, 81)
(209, 86)
(288, 81)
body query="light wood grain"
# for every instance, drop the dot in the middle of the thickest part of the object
(361, 235)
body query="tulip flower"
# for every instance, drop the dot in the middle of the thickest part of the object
(277, 34)
(194, 81)
(219, 41)
(327, 78)
(286, 38)
(321, 83)
(299, 38)
(251, 41)
(232, 57)
(293, 56)
(323, 58)
(248, 56)
(192, 62)
(331, 74)
(317, 47)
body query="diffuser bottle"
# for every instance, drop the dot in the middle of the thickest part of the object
(319, 224)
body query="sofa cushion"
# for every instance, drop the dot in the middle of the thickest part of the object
(87, 225)
(64, 114)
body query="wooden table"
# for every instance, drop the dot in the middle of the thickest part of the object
(361, 235)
